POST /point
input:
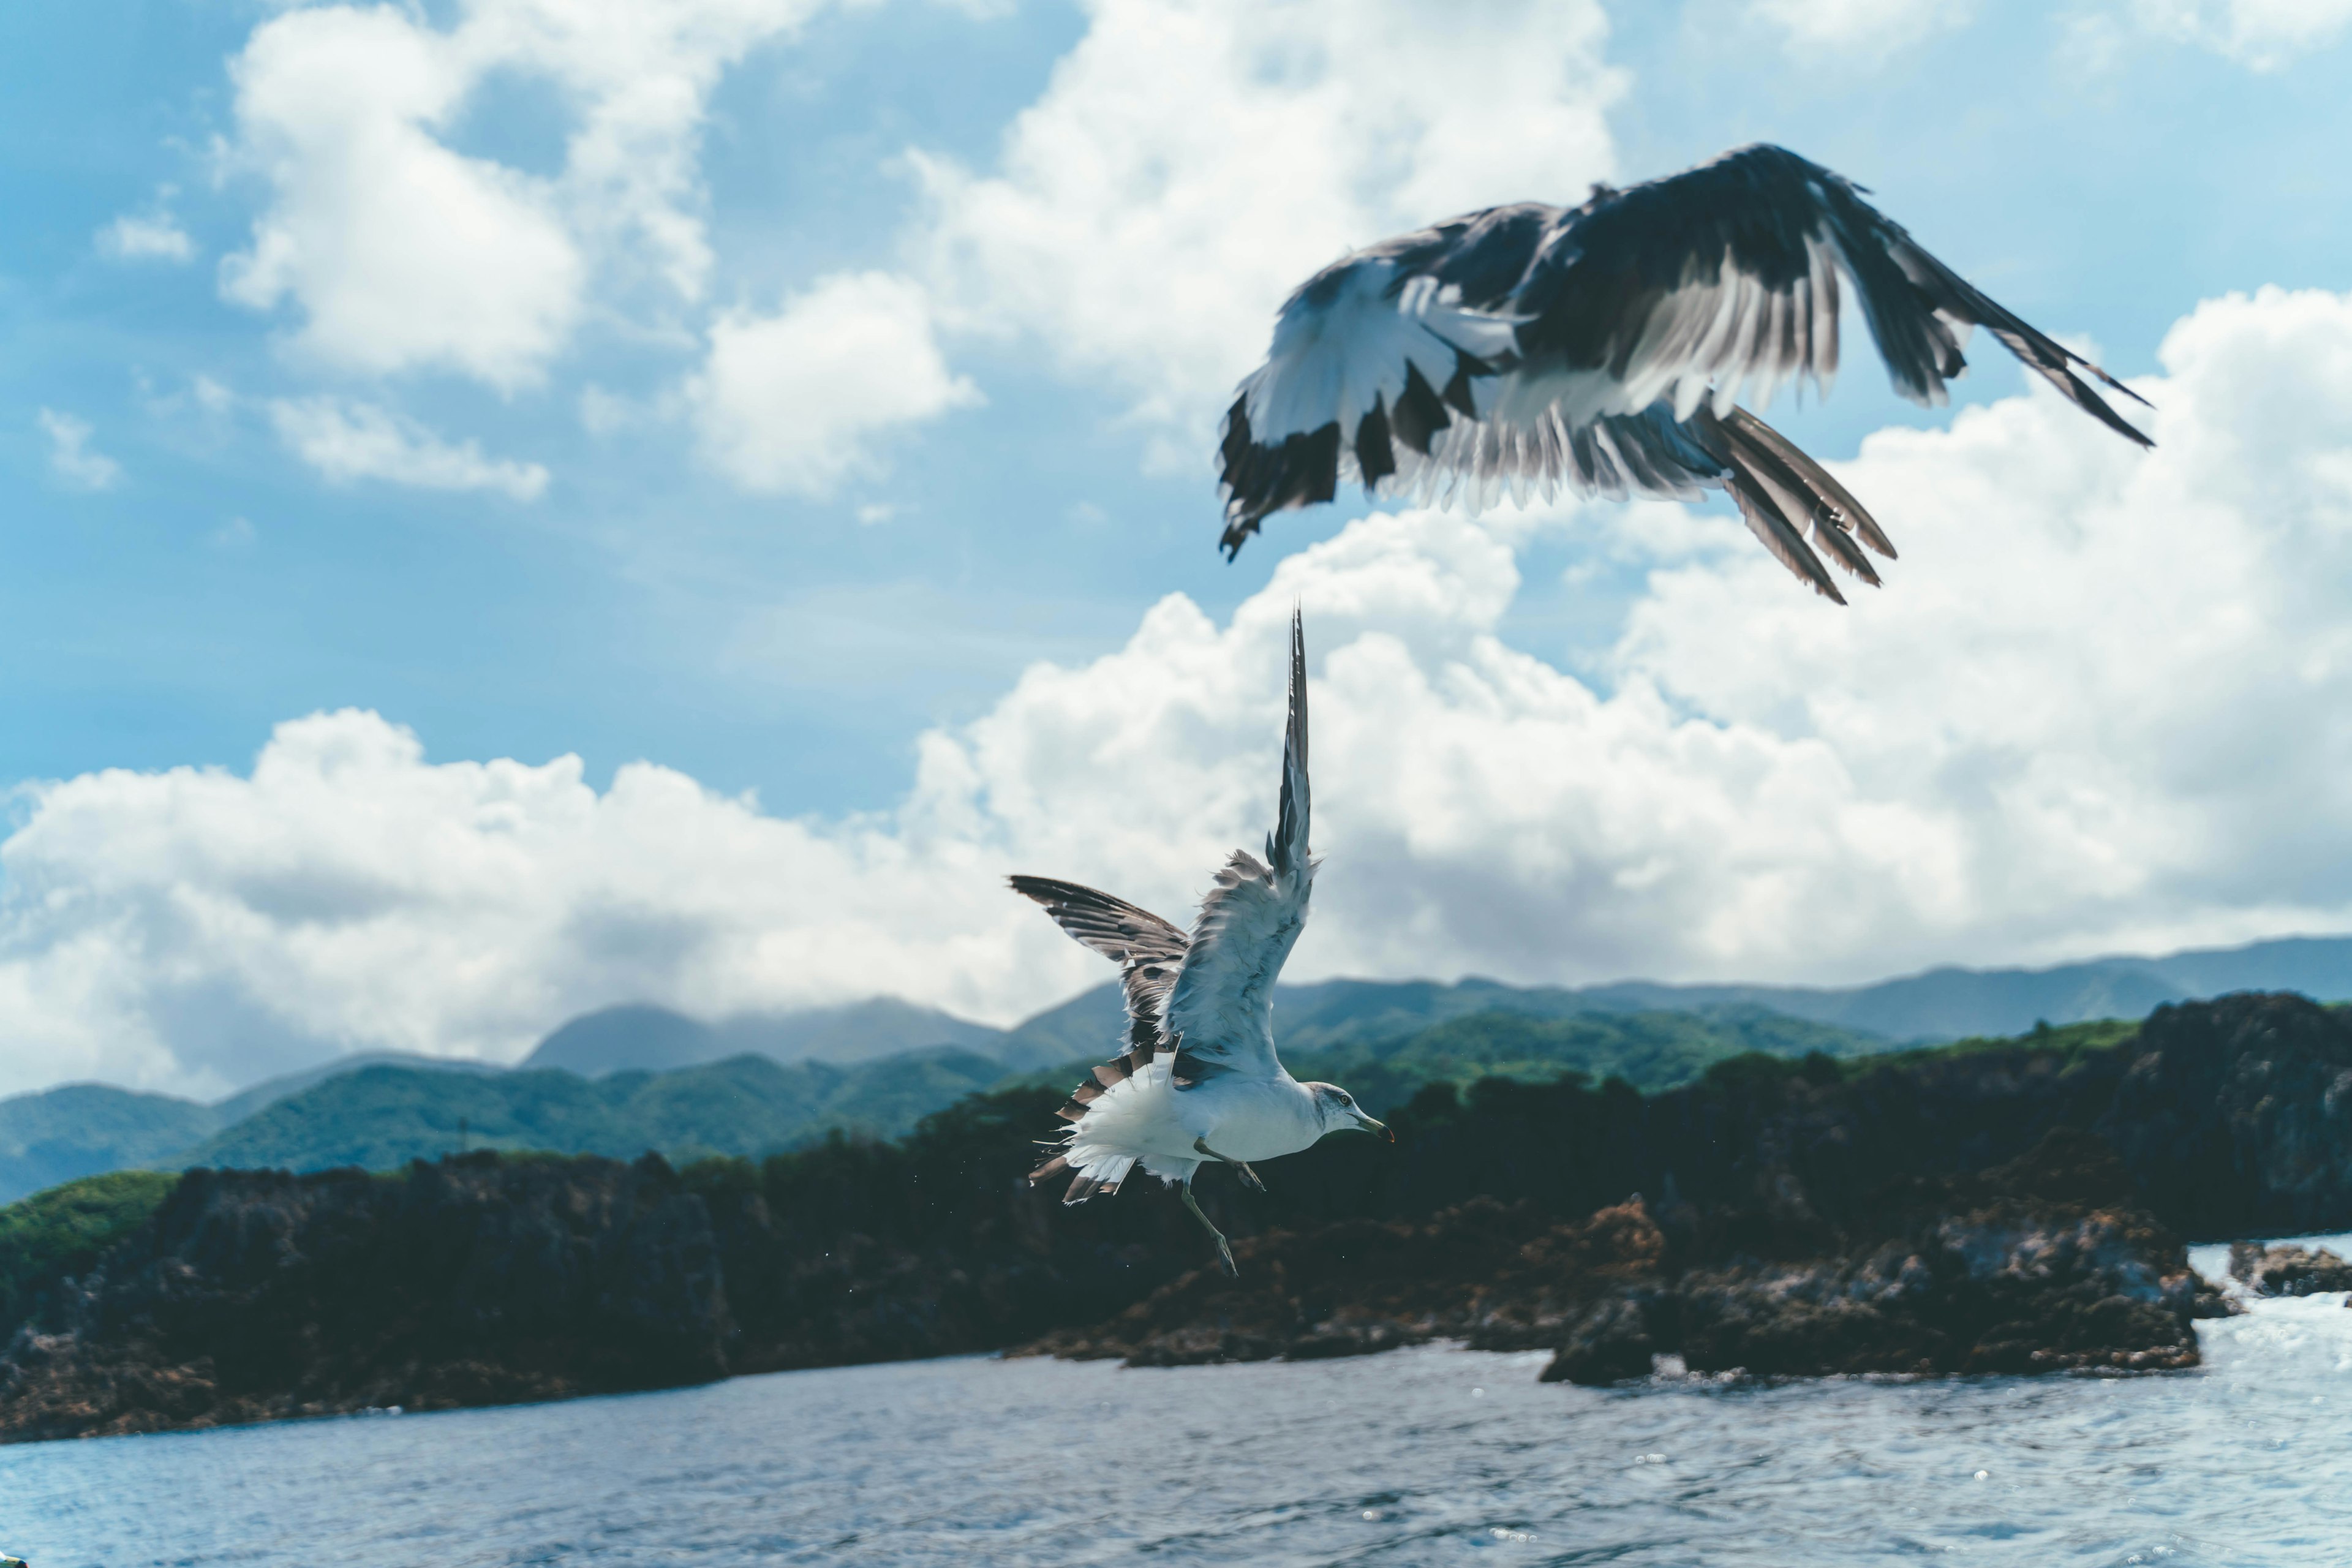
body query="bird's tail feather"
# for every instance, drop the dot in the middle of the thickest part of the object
(1118, 1070)
(1784, 495)
(1091, 1174)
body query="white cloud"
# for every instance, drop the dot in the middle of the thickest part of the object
(72, 458)
(1191, 160)
(1865, 27)
(2264, 33)
(348, 441)
(402, 253)
(790, 403)
(2105, 704)
(146, 236)
(235, 536)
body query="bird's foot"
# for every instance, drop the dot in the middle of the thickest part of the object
(1225, 1259)
(1249, 1177)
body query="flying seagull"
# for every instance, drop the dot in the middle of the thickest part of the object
(1604, 347)
(1199, 1080)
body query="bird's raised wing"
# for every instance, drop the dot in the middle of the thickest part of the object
(1531, 345)
(1221, 1013)
(1691, 287)
(1146, 948)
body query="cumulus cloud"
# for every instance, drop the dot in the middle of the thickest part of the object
(348, 441)
(2264, 33)
(72, 458)
(402, 253)
(146, 236)
(1191, 160)
(1868, 27)
(790, 403)
(2105, 704)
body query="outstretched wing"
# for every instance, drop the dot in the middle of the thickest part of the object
(1530, 345)
(1146, 948)
(1220, 1012)
(1690, 288)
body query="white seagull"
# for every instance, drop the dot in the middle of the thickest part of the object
(1199, 1080)
(1604, 347)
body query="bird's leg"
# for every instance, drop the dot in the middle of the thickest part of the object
(1224, 1253)
(1248, 1175)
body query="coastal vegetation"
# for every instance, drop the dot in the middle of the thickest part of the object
(1794, 1214)
(380, 1115)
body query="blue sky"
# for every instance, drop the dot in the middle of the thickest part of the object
(545, 535)
(619, 616)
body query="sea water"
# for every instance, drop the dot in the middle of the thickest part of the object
(1435, 1454)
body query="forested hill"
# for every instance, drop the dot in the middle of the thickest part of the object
(245, 1295)
(383, 1115)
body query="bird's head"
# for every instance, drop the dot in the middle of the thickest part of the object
(1340, 1113)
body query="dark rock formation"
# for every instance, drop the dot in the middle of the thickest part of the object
(2015, 1290)
(1503, 1277)
(2288, 1271)
(256, 1295)
(2026, 1267)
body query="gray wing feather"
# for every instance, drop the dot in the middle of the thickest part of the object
(1147, 949)
(1220, 1012)
(1528, 346)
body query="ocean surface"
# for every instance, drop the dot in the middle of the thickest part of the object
(1431, 1456)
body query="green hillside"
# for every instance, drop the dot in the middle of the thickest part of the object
(83, 1129)
(1652, 1051)
(59, 1234)
(381, 1117)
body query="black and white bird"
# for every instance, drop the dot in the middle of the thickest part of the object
(1605, 347)
(1199, 1080)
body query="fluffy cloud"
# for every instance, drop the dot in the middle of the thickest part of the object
(788, 403)
(2103, 705)
(1191, 160)
(146, 236)
(347, 441)
(72, 458)
(402, 253)
(2264, 33)
(1871, 26)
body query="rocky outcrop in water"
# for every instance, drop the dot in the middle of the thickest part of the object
(2029, 1267)
(1503, 1277)
(2287, 1270)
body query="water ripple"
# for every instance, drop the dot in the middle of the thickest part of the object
(1432, 1455)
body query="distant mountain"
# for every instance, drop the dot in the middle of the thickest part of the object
(1951, 1003)
(246, 1101)
(850, 1066)
(381, 1117)
(1324, 1016)
(636, 1035)
(1652, 1051)
(84, 1128)
(643, 1036)
(1947, 1004)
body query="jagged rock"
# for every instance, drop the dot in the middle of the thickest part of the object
(2007, 1289)
(1503, 1277)
(2288, 1271)
(2038, 1265)
(1608, 1342)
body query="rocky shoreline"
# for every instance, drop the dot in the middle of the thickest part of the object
(2008, 1206)
(2019, 1271)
